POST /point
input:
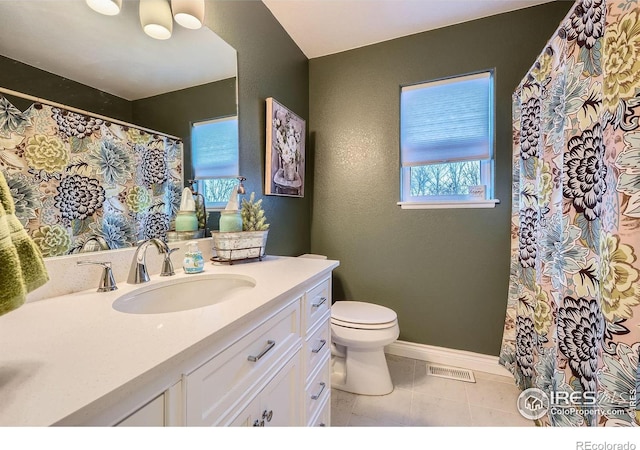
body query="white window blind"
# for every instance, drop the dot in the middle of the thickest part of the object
(447, 120)
(214, 148)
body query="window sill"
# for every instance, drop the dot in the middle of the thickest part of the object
(450, 205)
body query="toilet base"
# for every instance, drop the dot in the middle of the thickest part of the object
(363, 372)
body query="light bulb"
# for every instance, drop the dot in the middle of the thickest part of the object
(188, 13)
(156, 19)
(106, 7)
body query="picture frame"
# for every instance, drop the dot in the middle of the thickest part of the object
(285, 151)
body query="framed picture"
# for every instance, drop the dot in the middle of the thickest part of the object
(285, 154)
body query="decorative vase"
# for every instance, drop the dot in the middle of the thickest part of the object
(186, 221)
(289, 171)
(230, 220)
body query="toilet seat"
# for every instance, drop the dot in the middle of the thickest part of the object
(362, 315)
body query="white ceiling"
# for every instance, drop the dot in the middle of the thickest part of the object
(110, 53)
(323, 27)
(67, 38)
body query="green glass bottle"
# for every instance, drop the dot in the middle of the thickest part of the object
(230, 220)
(186, 221)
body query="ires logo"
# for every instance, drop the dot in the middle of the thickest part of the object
(534, 403)
(573, 398)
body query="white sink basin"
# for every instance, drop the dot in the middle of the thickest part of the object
(183, 293)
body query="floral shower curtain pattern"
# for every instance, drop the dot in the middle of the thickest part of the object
(75, 177)
(572, 326)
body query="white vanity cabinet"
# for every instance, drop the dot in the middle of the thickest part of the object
(277, 374)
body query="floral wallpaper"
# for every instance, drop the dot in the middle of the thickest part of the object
(77, 179)
(572, 328)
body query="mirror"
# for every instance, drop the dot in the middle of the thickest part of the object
(107, 65)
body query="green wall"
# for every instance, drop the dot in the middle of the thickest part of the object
(445, 272)
(269, 65)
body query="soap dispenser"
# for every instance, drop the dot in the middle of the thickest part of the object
(193, 261)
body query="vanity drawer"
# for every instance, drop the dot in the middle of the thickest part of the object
(318, 389)
(317, 346)
(222, 382)
(323, 418)
(317, 303)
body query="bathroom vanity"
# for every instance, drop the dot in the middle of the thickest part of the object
(258, 356)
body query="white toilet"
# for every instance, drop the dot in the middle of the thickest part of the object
(359, 333)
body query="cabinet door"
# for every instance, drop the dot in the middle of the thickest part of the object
(277, 403)
(280, 399)
(150, 415)
(248, 417)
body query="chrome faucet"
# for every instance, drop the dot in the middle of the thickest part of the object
(138, 272)
(107, 282)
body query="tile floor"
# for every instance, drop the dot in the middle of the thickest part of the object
(421, 400)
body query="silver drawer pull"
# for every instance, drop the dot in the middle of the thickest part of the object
(316, 350)
(316, 396)
(270, 345)
(320, 303)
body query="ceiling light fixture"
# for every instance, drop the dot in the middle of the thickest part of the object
(188, 13)
(156, 18)
(106, 7)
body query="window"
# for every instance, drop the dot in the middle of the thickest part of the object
(446, 142)
(214, 151)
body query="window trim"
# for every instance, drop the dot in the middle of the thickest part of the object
(487, 167)
(463, 204)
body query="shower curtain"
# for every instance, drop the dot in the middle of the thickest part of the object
(572, 328)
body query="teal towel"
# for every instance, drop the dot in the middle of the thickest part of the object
(12, 290)
(30, 270)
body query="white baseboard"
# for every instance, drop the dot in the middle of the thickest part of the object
(450, 357)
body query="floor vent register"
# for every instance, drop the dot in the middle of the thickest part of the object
(453, 373)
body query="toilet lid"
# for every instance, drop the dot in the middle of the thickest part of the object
(362, 313)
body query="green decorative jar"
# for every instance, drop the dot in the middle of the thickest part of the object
(230, 220)
(186, 221)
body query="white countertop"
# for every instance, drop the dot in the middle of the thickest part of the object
(63, 354)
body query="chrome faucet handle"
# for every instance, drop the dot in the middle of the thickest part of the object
(107, 282)
(167, 265)
(138, 272)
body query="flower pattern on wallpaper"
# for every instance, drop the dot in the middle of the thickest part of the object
(572, 324)
(75, 177)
